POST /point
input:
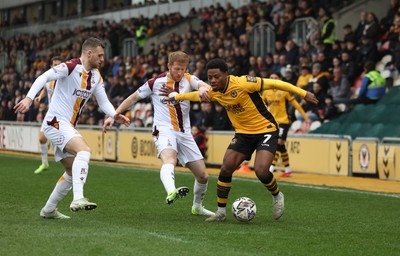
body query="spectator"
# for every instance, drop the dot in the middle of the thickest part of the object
(318, 77)
(372, 28)
(330, 111)
(290, 75)
(373, 86)
(292, 52)
(349, 35)
(200, 139)
(314, 112)
(304, 77)
(361, 25)
(368, 51)
(205, 117)
(391, 13)
(340, 89)
(220, 120)
(349, 67)
(328, 28)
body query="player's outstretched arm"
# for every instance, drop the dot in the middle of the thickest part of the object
(128, 102)
(170, 95)
(39, 83)
(285, 86)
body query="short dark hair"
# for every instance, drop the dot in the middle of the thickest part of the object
(369, 65)
(217, 63)
(92, 43)
(56, 58)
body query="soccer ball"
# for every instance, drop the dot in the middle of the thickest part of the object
(244, 209)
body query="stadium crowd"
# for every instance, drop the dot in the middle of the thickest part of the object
(331, 68)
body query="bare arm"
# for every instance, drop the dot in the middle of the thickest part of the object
(42, 94)
(128, 102)
(203, 91)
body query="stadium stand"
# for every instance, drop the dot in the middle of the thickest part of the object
(218, 28)
(379, 120)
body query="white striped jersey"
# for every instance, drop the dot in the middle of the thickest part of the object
(75, 86)
(173, 114)
(50, 86)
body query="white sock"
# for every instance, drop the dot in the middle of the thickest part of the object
(287, 169)
(80, 169)
(271, 168)
(44, 151)
(63, 186)
(221, 210)
(167, 177)
(199, 191)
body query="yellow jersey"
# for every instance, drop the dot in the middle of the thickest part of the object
(242, 100)
(277, 104)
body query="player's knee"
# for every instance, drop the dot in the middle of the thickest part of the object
(202, 178)
(68, 171)
(83, 155)
(227, 170)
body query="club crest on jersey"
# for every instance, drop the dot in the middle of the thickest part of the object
(234, 94)
(251, 79)
(59, 67)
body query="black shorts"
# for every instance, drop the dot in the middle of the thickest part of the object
(247, 143)
(283, 131)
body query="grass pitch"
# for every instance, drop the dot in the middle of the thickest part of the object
(133, 219)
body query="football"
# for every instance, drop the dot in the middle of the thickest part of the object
(244, 209)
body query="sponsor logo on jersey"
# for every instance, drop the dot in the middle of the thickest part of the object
(235, 109)
(251, 79)
(82, 93)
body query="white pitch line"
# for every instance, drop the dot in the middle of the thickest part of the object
(167, 237)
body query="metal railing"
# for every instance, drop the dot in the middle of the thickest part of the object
(262, 39)
(304, 29)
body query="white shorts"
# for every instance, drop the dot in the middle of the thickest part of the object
(59, 134)
(182, 143)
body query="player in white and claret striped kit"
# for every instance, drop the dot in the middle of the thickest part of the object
(77, 81)
(172, 130)
(48, 89)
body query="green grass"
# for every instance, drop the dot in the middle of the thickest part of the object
(132, 218)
